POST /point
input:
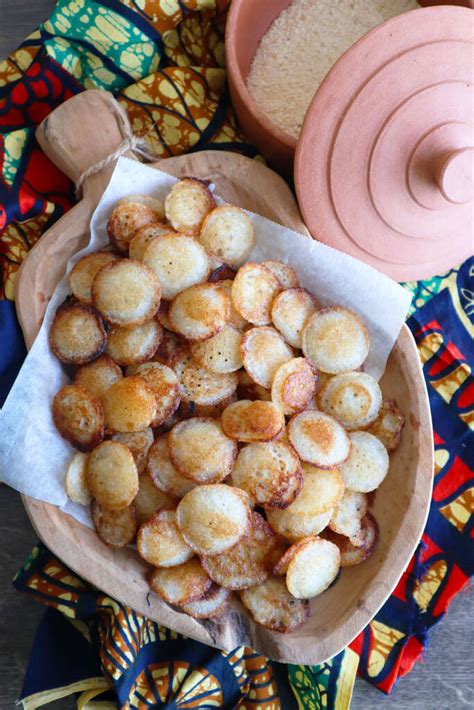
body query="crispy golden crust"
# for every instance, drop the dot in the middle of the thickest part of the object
(77, 334)
(143, 236)
(83, 273)
(319, 439)
(296, 527)
(134, 344)
(355, 554)
(294, 385)
(96, 377)
(221, 353)
(79, 417)
(164, 384)
(112, 475)
(269, 472)
(249, 421)
(181, 585)
(126, 292)
(290, 312)
(228, 234)
(160, 542)
(284, 273)
(129, 405)
(263, 351)
(187, 204)
(201, 451)
(354, 398)
(162, 472)
(139, 443)
(150, 500)
(214, 602)
(200, 311)
(179, 261)
(312, 568)
(273, 607)
(335, 340)
(116, 528)
(126, 218)
(388, 425)
(213, 518)
(248, 563)
(253, 291)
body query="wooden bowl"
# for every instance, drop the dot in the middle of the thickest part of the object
(247, 22)
(402, 502)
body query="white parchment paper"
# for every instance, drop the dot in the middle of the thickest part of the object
(34, 457)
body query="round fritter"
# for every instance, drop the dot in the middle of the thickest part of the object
(187, 204)
(78, 417)
(83, 273)
(312, 568)
(145, 235)
(319, 439)
(273, 607)
(128, 216)
(284, 273)
(159, 541)
(201, 451)
(264, 350)
(112, 475)
(178, 261)
(149, 500)
(213, 518)
(213, 603)
(294, 527)
(354, 398)
(368, 463)
(201, 386)
(134, 344)
(249, 562)
(116, 528)
(129, 405)
(126, 292)
(97, 376)
(164, 384)
(269, 472)
(228, 234)
(77, 334)
(139, 443)
(294, 385)
(352, 554)
(290, 312)
(348, 513)
(388, 425)
(200, 311)
(182, 584)
(221, 353)
(335, 340)
(76, 480)
(162, 472)
(253, 291)
(248, 420)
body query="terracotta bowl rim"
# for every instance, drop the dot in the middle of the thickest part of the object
(234, 73)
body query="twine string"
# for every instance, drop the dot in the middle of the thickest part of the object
(131, 142)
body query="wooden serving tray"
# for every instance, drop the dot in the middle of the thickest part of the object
(85, 130)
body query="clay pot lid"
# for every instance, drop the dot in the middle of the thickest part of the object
(384, 166)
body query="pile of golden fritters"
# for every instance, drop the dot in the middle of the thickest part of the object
(224, 418)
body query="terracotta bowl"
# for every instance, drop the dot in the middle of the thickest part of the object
(247, 22)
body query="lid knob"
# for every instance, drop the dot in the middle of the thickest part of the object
(455, 175)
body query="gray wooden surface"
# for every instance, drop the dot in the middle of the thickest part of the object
(445, 681)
